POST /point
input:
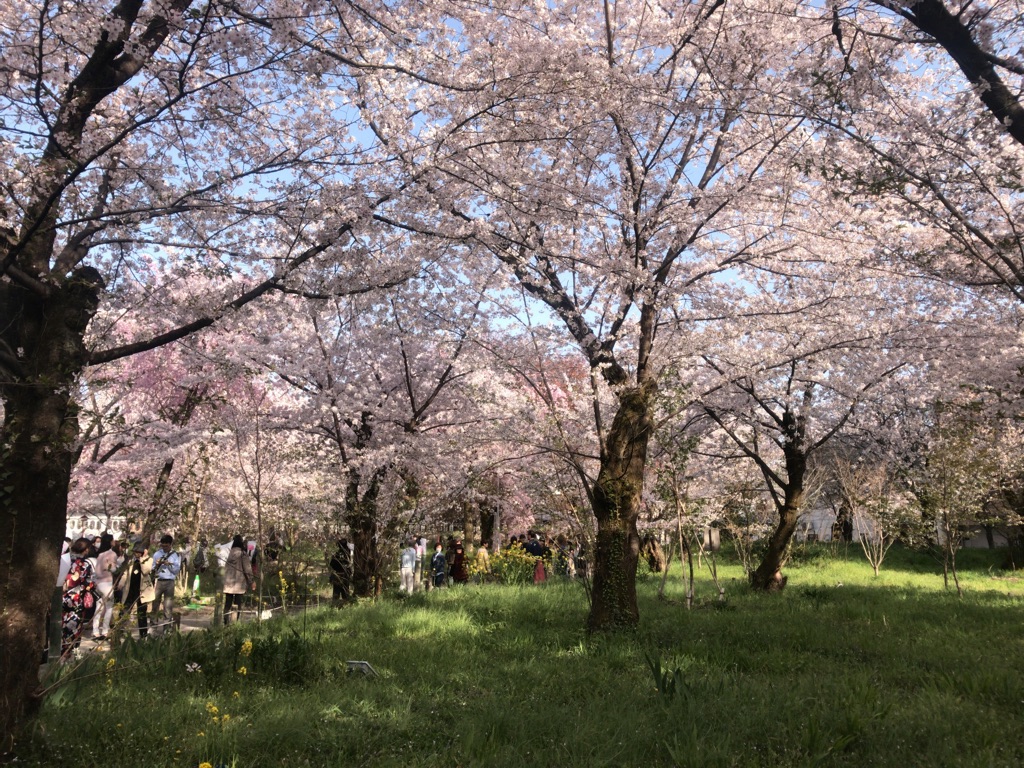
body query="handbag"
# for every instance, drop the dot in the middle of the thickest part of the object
(88, 605)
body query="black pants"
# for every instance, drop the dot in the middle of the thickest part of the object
(230, 600)
(342, 590)
(142, 609)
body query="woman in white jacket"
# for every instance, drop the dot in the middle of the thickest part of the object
(238, 579)
(103, 574)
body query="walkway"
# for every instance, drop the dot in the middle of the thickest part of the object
(193, 616)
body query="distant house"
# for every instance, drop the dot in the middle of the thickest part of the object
(92, 524)
(816, 525)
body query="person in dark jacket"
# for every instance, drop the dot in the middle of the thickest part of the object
(458, 570)
(138, 589)
(439, 566)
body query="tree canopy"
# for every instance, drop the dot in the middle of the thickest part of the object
(376, 265)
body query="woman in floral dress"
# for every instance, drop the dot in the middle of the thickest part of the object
(79, 591)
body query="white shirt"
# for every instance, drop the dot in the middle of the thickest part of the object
(409, 558)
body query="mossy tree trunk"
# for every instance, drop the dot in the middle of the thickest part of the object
(616, 502)
(37, 452)
(361, 515)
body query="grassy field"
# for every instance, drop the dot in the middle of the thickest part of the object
(841, 669)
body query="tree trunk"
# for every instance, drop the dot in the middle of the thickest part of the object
(37, 449)
(616, 507)
(768, 576)
(487, 525)
(362, 520)
(470, 525)
(364, 556)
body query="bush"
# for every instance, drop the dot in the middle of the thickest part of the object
(514, 565)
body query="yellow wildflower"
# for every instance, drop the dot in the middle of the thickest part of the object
(246, 648)
(243, 671)
(235, 695)
(225, 718)
(206, 765)
(211, 708)
(111, 664)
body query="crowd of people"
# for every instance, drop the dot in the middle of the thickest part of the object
(451, 565)
(103, 581)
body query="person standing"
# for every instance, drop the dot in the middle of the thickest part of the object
(185, 554)
(54, 617)
(138, 589)
(483, 562)
(340, 568)
(78, 598)
(103, 576)
(459, 572)
(421, 559)
(238, 579)
(166, 567)
(200, 562)
(218, 561)
(407, 567)
(439, 566)
(124, 553)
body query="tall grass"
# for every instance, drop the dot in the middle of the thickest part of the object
(840, 669)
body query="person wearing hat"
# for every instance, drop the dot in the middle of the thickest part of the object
(166, 566)
(139, 591)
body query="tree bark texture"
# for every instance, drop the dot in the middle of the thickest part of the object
(956, 35)
(768, 575)
(617, 507)
(361, 515)
(37, 449)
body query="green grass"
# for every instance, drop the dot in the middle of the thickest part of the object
(841, 669)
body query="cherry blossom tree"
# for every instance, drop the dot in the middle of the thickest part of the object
(925, 126)
(788, 384)
(382, 384)
(611, 152)
(877, 505)
(150, 146)
(961, 470)
(983, 42)
(144, 438)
